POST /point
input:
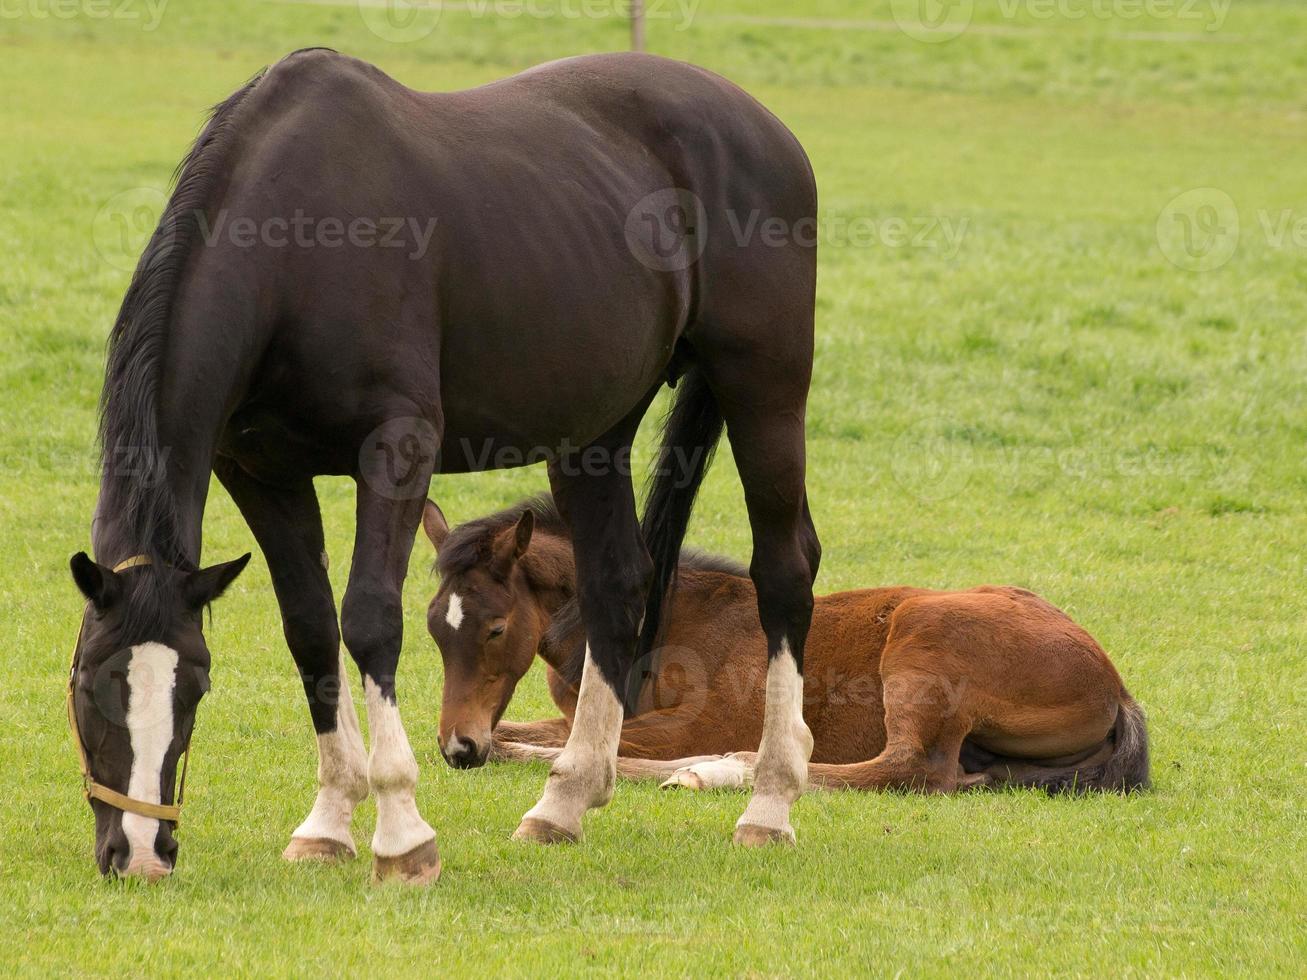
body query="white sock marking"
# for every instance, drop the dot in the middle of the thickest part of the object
(454, 615)
(782, 768)
(582, 776)
(393, 777)
(151, 678)
(727, 772)
(342, 774)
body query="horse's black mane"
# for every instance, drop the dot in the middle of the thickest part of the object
(135, 491)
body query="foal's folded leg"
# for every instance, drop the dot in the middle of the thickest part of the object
(552, 732)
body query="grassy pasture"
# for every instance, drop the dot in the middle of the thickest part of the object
(1024, 374)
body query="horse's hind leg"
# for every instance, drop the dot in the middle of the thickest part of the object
(613, 569)
(763, 405)
(287, 524)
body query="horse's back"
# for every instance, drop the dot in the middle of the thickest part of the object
(516, 203)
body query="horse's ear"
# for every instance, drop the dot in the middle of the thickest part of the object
(522, 533)
(207, 584)
(434, 523)
(512, 544)
(99, 584)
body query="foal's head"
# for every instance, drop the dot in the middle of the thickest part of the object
(487, 619)
(139, 670)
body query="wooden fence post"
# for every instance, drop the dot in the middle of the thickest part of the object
(637, 25)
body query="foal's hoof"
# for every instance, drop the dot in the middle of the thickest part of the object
(317, 849)
(752, 835)
(420, 866)
(543, 832)
(686, 777)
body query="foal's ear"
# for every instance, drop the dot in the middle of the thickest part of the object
(202, 587)
(434, 523)
(512, 544)
(522, 533)
(99, 584)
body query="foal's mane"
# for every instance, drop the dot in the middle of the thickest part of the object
(132, 460)
(471, 545)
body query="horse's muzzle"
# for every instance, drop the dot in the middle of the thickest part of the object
(464, 753)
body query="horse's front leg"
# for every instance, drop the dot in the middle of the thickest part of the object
(613, 570)
(372, 622)
(288, 526)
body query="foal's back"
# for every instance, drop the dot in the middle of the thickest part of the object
(1000, 643)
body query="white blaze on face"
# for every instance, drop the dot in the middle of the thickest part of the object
(151, 678)
(454, 615)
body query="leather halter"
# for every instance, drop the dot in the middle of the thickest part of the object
(96, 791)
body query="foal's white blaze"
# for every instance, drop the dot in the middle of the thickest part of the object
(454, 615)
(151, 678)
(342, 774)
(582, 776)
(782, 768)
(393, 777)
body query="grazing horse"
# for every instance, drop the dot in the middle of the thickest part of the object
(353, 277)
(903, 688)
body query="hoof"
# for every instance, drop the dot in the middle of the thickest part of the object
(420, 866)
(543, 832)
(752, 835)
(687, 778)
(975, 781)
(317, 849)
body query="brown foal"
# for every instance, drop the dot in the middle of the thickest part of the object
(904, 688)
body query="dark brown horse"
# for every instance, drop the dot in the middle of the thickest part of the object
(353, 277)
(903, 688)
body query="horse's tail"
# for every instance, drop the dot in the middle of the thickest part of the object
(1124, 769)
(691, 432)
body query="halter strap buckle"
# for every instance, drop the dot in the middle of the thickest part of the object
(96, 791)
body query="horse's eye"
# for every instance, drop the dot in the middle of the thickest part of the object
(496, 630)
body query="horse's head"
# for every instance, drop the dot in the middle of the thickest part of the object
(487, 623)
(139, 670)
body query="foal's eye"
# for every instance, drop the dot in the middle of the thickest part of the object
(496, 630)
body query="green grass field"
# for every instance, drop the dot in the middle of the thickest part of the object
(1041, 382)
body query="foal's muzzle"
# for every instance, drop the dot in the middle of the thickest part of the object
(464, 753)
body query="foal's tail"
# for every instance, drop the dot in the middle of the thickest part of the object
(691, 432)
(1126, 769)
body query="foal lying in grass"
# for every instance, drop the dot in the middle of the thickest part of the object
(903, 688)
